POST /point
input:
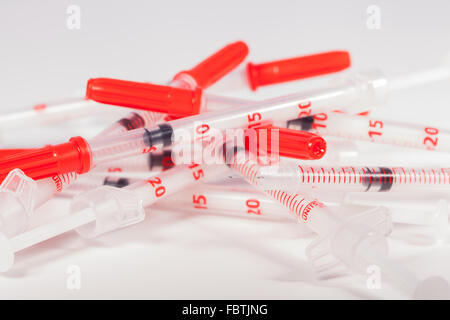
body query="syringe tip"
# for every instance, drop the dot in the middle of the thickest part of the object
(317, 148)
(295, 144)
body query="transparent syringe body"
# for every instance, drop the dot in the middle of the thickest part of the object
(294, 176)
(225, 200)
(45, 114)
(375, 130)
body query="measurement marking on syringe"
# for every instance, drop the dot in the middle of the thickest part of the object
(284, 198)
(252, 172)
(291, 202)
(379, 176)
(303, 174)
(299, 209)
(323, 175)
(354, 175)
(287, 200)
(334, 175)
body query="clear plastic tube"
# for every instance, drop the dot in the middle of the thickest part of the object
(55, 113)
(294, 176)
(375, 130)
(205, 198)
(222, 200)
(153, 161)
(92, 181)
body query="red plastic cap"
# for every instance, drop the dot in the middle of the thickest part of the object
(216, 66)
(293, 143)
(8, 152)
(296, 68)
(72, 156)
(145, 96)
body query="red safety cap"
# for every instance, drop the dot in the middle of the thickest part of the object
(72, 156)
(296, 68)
(145, 96)
(216, 66)
(291, 143)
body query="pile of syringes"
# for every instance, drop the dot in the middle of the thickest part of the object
(177, 147)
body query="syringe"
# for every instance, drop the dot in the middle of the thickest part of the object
(354, 243)
(204, 199)
(375, 130)
(294, 176)
(239, 201)
(107, 208)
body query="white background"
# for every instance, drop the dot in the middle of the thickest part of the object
(178, 255)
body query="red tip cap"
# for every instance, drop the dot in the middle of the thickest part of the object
(296, 68)
(145, 96)
(72, 156)
(216, 66)
(294, 143)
